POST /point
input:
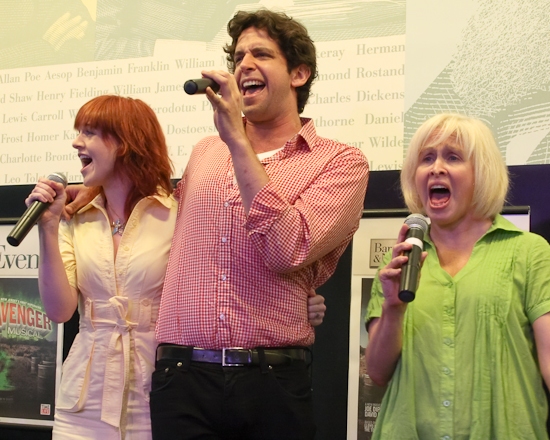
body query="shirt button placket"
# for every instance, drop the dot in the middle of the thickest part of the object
(447, 379)
(224, 262)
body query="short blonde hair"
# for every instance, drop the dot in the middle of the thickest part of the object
(490, 171)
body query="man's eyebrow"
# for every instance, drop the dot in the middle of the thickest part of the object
(256, 49)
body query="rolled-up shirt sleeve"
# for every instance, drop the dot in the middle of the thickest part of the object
(292, 228)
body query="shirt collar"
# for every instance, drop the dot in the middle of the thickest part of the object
(308, 133)
(501, 223)
(306, 137)
(99, 202)
(498, 223)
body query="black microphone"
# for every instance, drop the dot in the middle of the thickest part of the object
(196, 86)
(32, 214)
(410, 271)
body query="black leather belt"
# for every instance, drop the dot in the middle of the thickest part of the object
(231, 357)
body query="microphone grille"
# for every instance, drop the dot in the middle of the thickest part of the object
(58, 177)
(190, 87)
(417, 221)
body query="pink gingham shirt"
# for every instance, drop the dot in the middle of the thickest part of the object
(243, 281)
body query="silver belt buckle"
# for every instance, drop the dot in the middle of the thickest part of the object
(227, 364)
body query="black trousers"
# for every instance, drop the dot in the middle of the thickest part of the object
(195, 400)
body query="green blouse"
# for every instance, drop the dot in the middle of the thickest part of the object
(469, 368)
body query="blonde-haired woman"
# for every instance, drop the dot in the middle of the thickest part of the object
(467, 358)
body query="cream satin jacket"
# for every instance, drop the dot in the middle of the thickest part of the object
(112, 357)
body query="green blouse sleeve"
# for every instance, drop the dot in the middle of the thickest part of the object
(537, 290)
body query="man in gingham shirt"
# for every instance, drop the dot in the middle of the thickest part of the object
(265, 210)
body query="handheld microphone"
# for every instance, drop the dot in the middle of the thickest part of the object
(32, 214)
(410, 271)
(196, 86)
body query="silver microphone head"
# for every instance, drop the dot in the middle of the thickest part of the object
(417, 221)
(58, 177)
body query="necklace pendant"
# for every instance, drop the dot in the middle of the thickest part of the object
(118, 227)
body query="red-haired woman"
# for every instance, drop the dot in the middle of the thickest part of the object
(109, 260)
